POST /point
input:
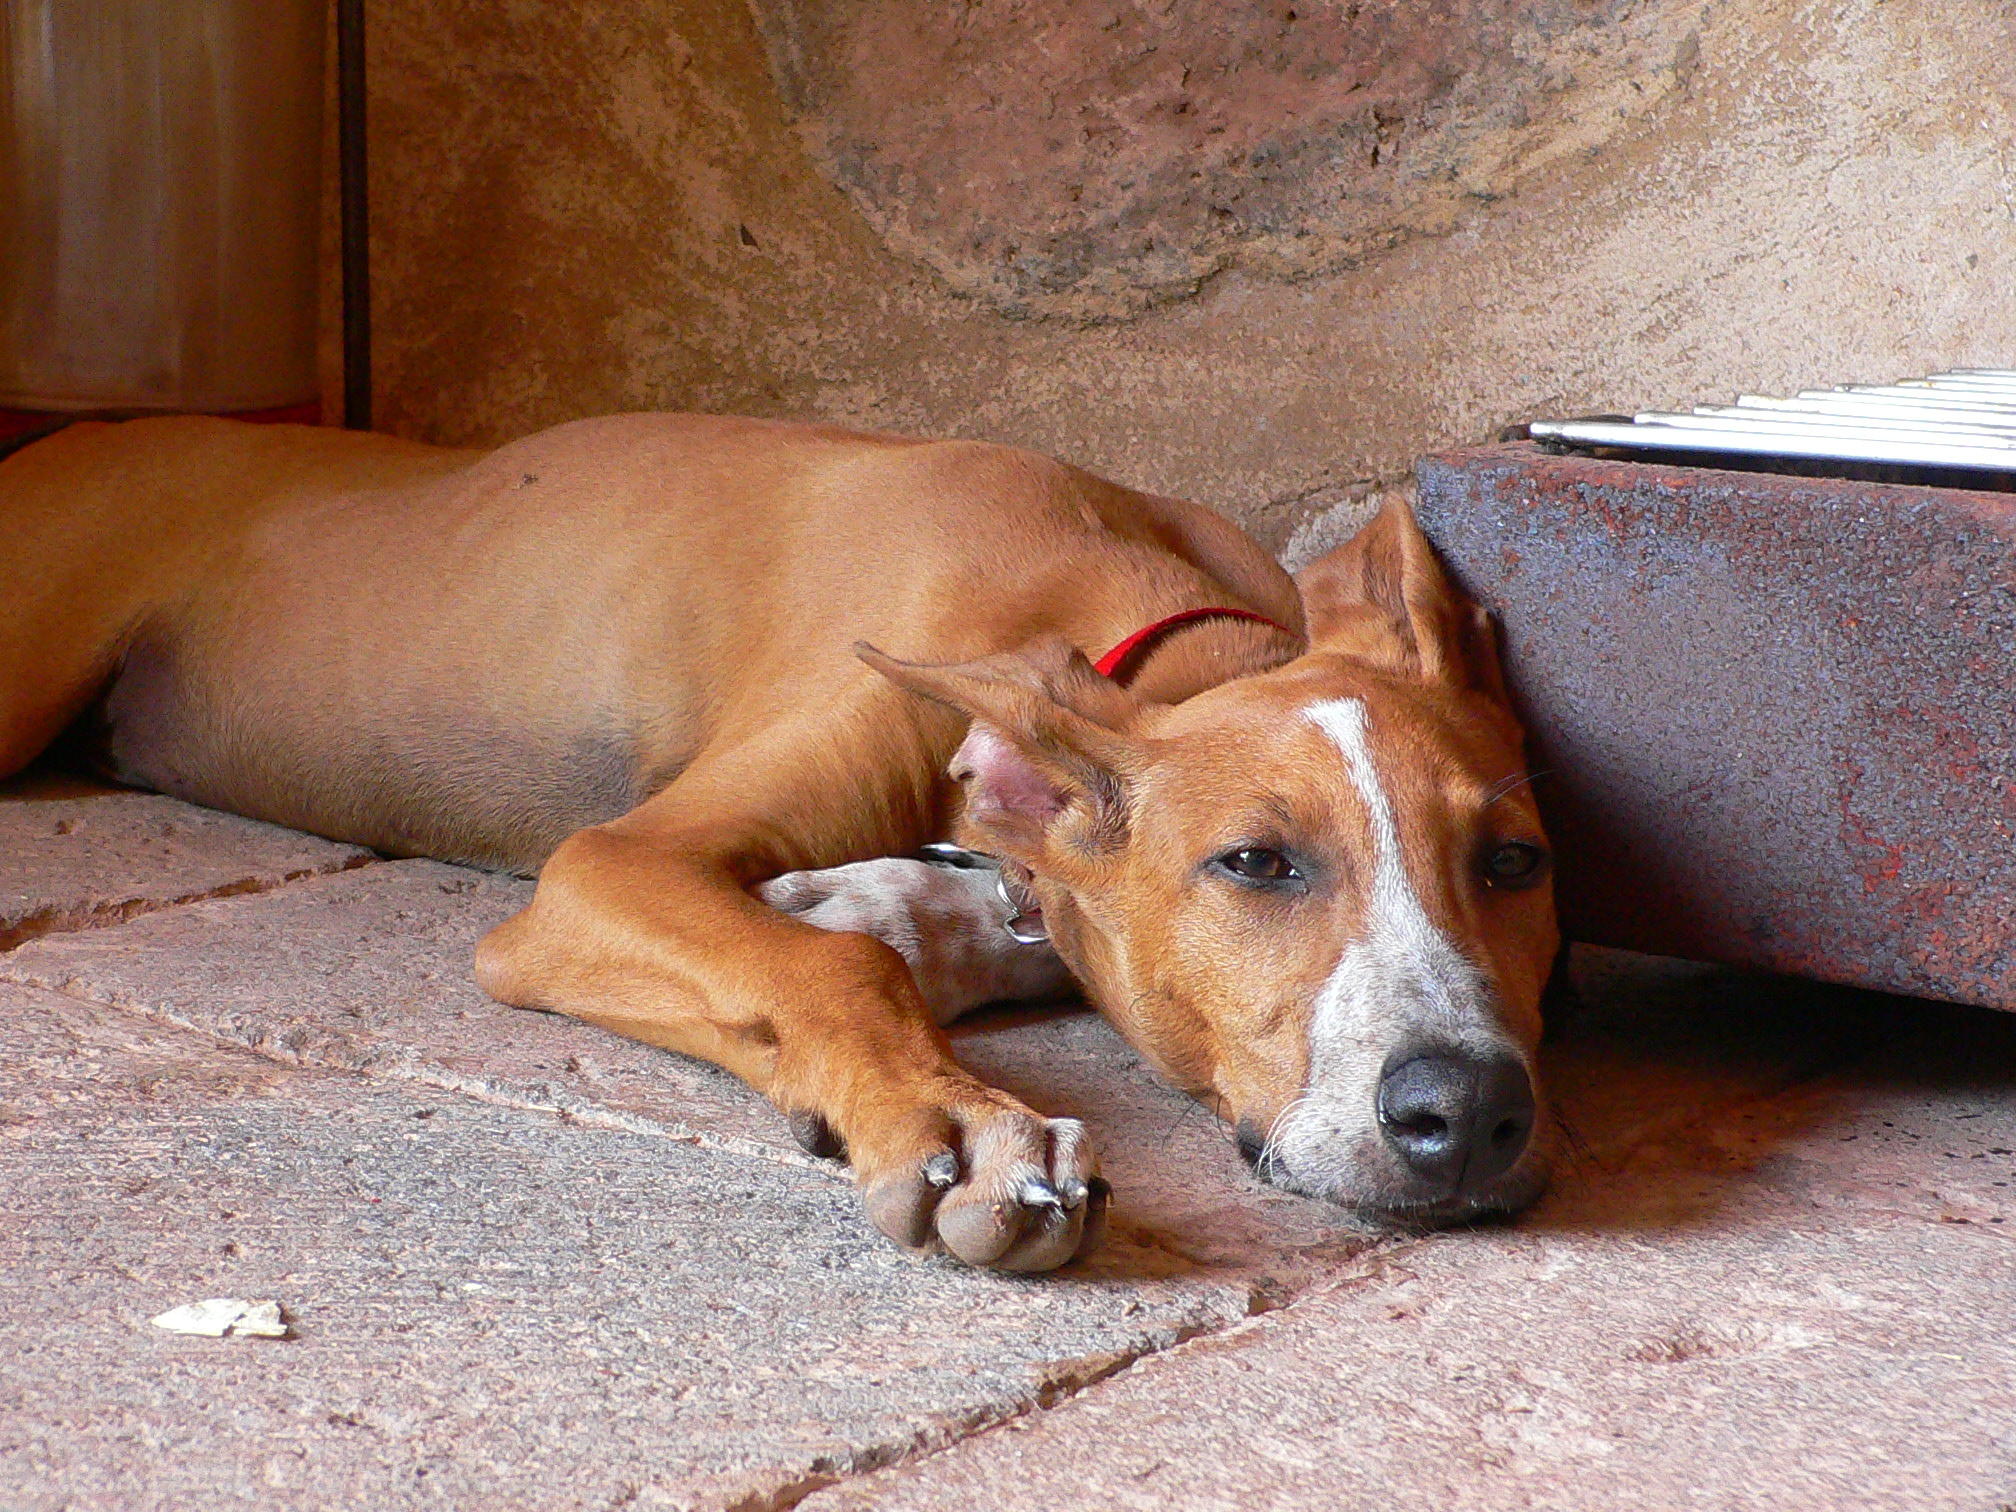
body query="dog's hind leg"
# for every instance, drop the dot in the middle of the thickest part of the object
(648, 926)
(56, 653)
(87, 548)
(36, 702)
(56, 648)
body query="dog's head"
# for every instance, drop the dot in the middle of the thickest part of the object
(1317, 897)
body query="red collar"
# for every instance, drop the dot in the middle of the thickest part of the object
(1112, 660)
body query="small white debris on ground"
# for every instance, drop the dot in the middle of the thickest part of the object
(225, 1315)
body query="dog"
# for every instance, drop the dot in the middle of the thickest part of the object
(715, 681)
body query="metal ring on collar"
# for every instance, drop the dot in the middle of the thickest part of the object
(1018, 925)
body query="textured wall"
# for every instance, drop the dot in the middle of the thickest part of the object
(1261, 255)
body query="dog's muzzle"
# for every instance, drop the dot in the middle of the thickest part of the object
(1443, 1140)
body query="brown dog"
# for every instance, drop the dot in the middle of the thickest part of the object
(1308, 883)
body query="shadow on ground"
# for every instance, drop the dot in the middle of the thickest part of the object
(1679, 1084)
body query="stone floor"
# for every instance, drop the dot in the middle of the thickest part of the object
(529, 1265)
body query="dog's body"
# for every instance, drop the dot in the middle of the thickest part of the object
(622, 654)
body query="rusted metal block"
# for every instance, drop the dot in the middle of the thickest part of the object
(1778, 713)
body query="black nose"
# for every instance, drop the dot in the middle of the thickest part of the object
(1457, 1120)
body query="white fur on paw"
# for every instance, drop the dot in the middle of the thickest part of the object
(946, 922)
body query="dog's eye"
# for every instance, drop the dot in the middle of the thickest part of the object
(1514, 864)
(1257, 864)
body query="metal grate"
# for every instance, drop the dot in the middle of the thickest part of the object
(1965, 419)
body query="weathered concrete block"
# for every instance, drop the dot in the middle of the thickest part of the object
(1777, 714)
(74, 855)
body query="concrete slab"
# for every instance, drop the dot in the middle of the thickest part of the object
(1773, 1271)
(1776, 710)
(79, 855)
(1787, 1368)
(369, 971)
(1793, 1289)
(489, 1309)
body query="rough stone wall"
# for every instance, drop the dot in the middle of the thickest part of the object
(1262, 255)
(1093, 161)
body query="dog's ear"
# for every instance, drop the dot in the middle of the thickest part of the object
(1383, 597)
(1046, 758)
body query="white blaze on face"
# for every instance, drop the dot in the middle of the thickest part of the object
(1401, 983)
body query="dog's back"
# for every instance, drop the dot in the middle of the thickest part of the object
(473, 655)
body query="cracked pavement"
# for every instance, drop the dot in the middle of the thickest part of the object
(527, 1264)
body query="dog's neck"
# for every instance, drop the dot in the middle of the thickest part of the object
(1204, 653)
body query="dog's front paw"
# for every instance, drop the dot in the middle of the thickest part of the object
(994, 1185)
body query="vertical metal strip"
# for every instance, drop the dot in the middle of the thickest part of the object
(356, 214)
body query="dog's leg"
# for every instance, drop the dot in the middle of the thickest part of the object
(49, 673)
(949, 923)
(647, 926)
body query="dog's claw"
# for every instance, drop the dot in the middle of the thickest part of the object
(1039, 1193)
(942, 1170)
(815, 1136)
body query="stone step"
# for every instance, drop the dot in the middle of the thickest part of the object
(77, 855)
